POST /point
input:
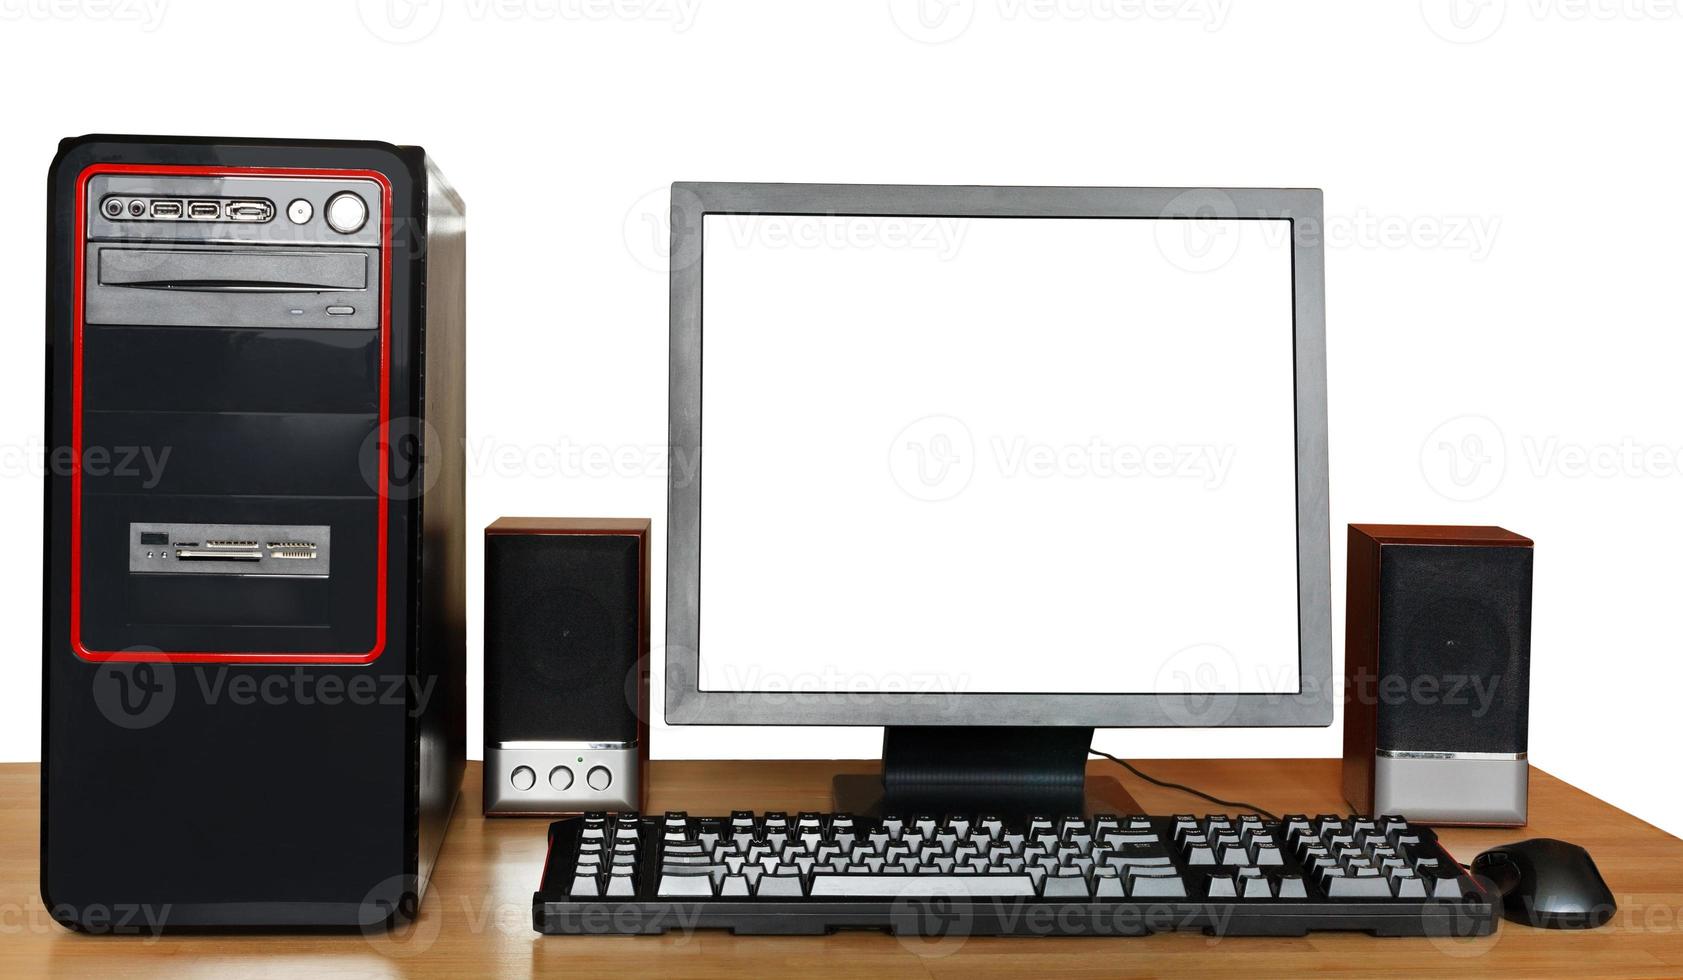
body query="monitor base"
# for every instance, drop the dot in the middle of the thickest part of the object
(1009, 771)
(862, 794)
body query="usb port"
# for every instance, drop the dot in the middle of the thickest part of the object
(204, 209)
(250, 210)
(166, 209)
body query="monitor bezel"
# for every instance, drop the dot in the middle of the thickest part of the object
(688, 704)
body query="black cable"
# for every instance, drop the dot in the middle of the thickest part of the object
(1153, 780)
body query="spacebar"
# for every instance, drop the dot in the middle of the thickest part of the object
(835, 884)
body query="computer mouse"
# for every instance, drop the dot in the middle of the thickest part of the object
(1547, 883)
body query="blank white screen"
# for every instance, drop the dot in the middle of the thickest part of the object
(997, 455)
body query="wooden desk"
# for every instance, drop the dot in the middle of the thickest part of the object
(477, 918)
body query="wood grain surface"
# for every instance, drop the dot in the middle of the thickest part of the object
(477, 919)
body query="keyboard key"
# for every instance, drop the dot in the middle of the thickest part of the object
(1143, 884)
(827, 885)
(781, 884)
(685, 884)
(1345, 886)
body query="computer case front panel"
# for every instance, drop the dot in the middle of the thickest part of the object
(253, 587)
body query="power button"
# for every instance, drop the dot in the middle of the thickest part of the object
(599, 778)
(346, 212)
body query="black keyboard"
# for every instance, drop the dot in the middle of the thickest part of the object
(811, 873)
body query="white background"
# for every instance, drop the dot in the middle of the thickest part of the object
(1502, 270)
(1017, 454)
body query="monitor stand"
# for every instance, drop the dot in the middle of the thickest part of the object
(1009, 771)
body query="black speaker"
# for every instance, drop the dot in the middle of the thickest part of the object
(566, 665)
(1437, 668)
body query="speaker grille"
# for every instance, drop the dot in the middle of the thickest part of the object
(561, 637)
(1454, 648)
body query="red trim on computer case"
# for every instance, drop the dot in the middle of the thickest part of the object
(77, 299)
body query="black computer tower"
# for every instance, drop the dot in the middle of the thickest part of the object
(254, 563)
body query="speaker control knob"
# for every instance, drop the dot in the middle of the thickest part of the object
(523, 778)
(599, 778)
(560, 779)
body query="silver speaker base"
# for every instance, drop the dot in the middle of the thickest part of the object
(518, 777)
(1446, 788)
